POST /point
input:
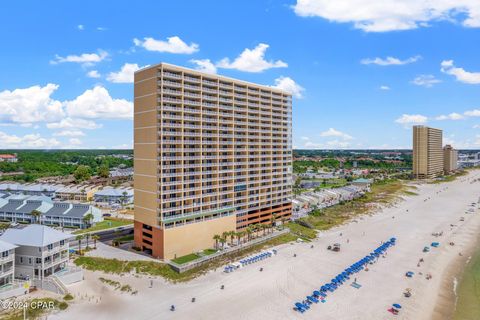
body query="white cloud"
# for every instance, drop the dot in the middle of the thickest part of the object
(172, 45)
(451, 116)
(93, 74)
(331, 132)
(410, 119)
(101, 29)
(97, 103)
(289, 85)
(332, 144)
(69, 123)
(386, 88)
(251, 60)
(476, 126)
(204, 65)
(80, 27)
(390, 61)
(391, 15)
(69, 133)
(125, 75)
(75, 141)
(472, 113)
(425, 80)
(84, 58)
(33, 104)
(460, 74)
(337, 144)
(27, 141)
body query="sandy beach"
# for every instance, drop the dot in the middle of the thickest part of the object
(251, 294)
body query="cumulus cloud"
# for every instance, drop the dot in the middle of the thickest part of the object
(69, 123)
(204, 65)
(410, 119)
(385, 88)
(425, 80)
(251, 60)
(451, 116)
(74, 141)
(331, 144)
(33, 104)
(289, 85)
(125, 75)
(391, 15)
(97, 103)
(69, 133)
(472, 113)
(80, 27)
(93, 74)
(171, 45)
(390, 61)
(448, 67)
(35, 141)
(331, 132)
(87, 59)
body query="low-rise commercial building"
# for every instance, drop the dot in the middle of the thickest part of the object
(110, 196)
(81, 193)
(8, 158)
(32, 189)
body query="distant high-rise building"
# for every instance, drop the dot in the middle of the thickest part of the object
(427, 152)
(211, 154)
(450, 158)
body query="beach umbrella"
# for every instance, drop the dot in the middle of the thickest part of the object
(396, 305)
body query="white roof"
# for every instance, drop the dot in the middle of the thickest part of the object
(5, 246)
(34, 235)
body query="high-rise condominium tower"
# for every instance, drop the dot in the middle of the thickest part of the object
(212, 154)
(427, 152)
(450, 158)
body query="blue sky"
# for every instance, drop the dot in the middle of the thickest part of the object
(362, 71)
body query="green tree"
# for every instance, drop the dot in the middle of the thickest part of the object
(37, 216)
(87, 219)
(217, 239)
(82, 173)
(79, 238)
(103, 171)
(95, 238)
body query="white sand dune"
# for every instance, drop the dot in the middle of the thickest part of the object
(251, 294)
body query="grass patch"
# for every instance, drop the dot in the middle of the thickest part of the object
(106, 224)
(208, 252)
(114, 266)
(36, 308)
(187, 258)
(449, 178)
(302, 231)
(382, 192)
(124, 239)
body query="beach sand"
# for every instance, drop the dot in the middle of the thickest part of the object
(251, 294)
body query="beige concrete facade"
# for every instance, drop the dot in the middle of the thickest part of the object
(211, 154)
(427, 152)
(450, 158)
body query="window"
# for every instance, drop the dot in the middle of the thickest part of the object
(21, 259)
(38, 260)
(62, 242)
(50, 247)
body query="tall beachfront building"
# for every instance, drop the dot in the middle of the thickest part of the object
(427, 152)
(211, 153)
(450, 158)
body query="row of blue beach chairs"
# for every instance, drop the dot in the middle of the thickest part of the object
(249, 260)
(320, 295)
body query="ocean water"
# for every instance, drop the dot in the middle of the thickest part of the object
(468, 303)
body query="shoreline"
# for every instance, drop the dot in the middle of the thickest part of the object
(446, 302)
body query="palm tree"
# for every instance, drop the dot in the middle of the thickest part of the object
(79, 239)
(37, 215)
(87, 236)
(95, 238)
(217, 239)
(249, 232)
(283, 219)
(225, 235)
(239, 235)
(123, 199)
(272, 223)
(264, 228)
(232, 236)
(222, 241)
(87, 219)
